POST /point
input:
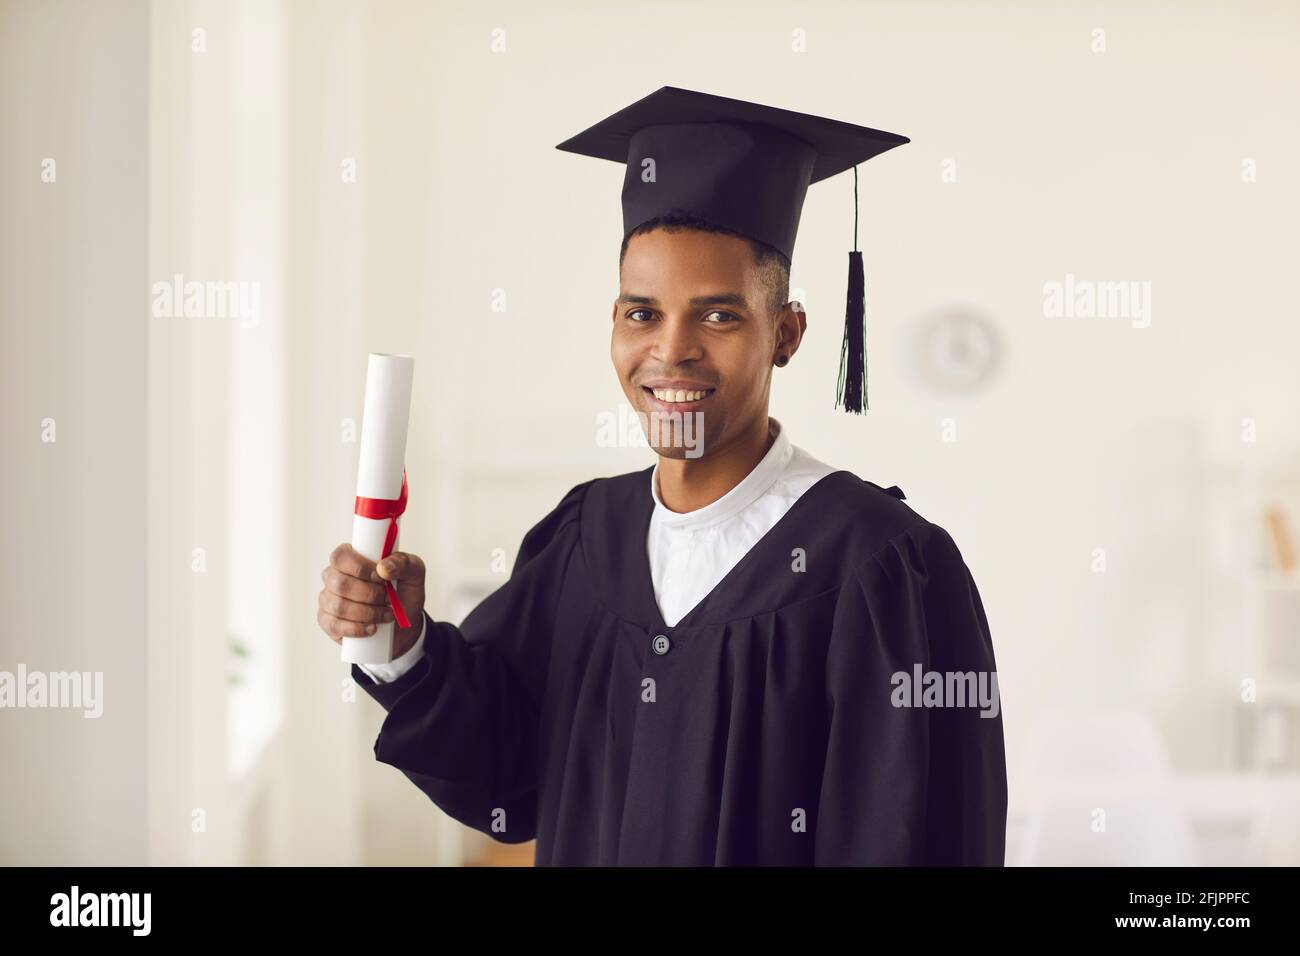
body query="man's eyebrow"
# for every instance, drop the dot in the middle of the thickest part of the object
(722, 298)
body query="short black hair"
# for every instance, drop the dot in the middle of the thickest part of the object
(773, 263)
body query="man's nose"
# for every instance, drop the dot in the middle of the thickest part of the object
(677, 341)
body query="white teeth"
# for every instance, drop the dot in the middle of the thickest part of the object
(678, 394)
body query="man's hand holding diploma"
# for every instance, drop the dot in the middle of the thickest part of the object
(354, 600)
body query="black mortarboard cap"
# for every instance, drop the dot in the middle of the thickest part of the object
(743, 167)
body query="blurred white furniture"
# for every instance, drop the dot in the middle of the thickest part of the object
(1081, 770)
(1094, 790)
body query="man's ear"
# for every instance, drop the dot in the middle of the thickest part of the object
(790, 327)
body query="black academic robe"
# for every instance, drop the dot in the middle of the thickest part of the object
(765, 728)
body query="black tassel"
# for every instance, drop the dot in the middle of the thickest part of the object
(851, 391)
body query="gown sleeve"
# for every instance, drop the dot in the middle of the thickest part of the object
(911, 785)
(462, 723)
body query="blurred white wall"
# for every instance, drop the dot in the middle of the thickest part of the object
(74, 180)
(386, 173)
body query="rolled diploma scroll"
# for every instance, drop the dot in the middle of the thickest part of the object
(384, 419)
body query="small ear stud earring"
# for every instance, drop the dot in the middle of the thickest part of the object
(781, 360)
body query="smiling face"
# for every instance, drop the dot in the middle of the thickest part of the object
(694, 332)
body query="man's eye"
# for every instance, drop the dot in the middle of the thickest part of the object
(635, 312)
(726, 317)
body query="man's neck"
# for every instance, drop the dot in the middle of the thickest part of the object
(688, 484)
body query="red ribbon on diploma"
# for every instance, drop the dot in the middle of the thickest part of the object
(380, 508)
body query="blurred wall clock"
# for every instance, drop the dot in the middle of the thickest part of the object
(958, 350)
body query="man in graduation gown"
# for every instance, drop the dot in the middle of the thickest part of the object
(739, 655)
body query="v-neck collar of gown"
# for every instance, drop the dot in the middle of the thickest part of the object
(750, 488)
(614, 532)
(722, 601)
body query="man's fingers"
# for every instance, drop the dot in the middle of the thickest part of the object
(348, 560)
(327, 625)
(354, 600)
(341, 607)
(337, 628)
(400, 565)
(344, 585)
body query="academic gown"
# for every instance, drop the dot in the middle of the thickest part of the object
(765, 728)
